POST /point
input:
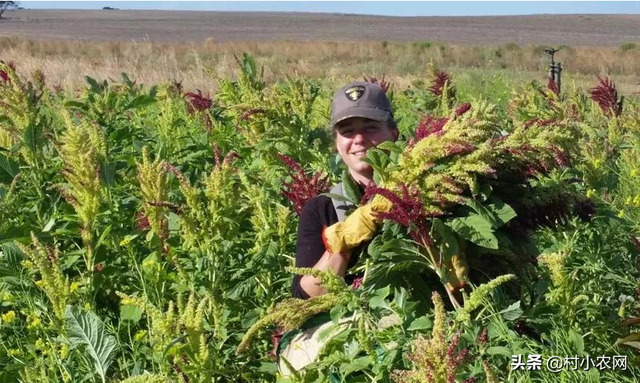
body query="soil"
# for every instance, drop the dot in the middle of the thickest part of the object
(195, 26)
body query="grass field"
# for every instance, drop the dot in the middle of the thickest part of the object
(156, 46)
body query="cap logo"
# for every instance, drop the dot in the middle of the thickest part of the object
(355, 92)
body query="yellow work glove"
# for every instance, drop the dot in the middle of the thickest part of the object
(358, 227)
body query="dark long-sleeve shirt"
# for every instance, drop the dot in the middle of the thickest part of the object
(317, 213)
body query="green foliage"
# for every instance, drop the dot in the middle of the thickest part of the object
(85, 331)
(144, 241)
(628, 47)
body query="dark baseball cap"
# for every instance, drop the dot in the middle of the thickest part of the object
(360, 99)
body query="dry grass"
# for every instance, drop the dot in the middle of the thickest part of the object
(66, 62)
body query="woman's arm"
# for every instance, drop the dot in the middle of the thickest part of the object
(312, 285)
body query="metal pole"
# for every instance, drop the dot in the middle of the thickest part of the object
(554, 69)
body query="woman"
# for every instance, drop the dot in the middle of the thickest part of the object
(361, 118)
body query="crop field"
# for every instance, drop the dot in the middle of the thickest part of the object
(148, 225)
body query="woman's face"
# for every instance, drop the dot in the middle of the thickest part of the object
(354, 136)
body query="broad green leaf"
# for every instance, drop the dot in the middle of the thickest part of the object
(499, 350)
(107, 173)
(390, 146)
(95, 87)
(512, 312)
(497, 213)
(30, 137)
(476, 229)
(8, 169)
(130, 313)
(12, 255)
(503, 212)
(578, 342)
(76, 104)
(140, 101)
(355, 365)
(378, 300)
(421, 323)
(337, 312)
(85, 329)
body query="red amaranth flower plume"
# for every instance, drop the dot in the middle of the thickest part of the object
(552, 85)
(142, 221)
(539, 122)
(250, 112)
(219, 162)
(430, 125)
(276, 338)
(437, 86)
(483, 336)
(605, 95)
(303, 187)
(463, 148)
(462, 109)
(407, 211)
(3, 75)
(385, 85)
(560, 157)
(197, 101)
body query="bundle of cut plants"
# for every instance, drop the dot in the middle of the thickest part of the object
(467, 185)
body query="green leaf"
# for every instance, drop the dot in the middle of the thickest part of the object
(512, 312)
(337, 312)
(355, 365)
(390, 146)
(103, 236)
(140, 101)
(421, 323)
(476, 229)
(497, 213)
(502, 211)
(107, 173)
(49, 225)
(578, 342)
(76, 104)
(351, 189)
(30, 137)
(8, 169)
(337, 197)
(130, 313)
(378, 300)
(85, 329)
(499, 350)
(95, 88)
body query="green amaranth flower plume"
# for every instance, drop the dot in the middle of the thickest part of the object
(292, 313)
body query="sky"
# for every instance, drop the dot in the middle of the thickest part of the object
(384, 8)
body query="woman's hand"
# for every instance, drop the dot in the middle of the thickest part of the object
(312, 285)
(359, 227)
